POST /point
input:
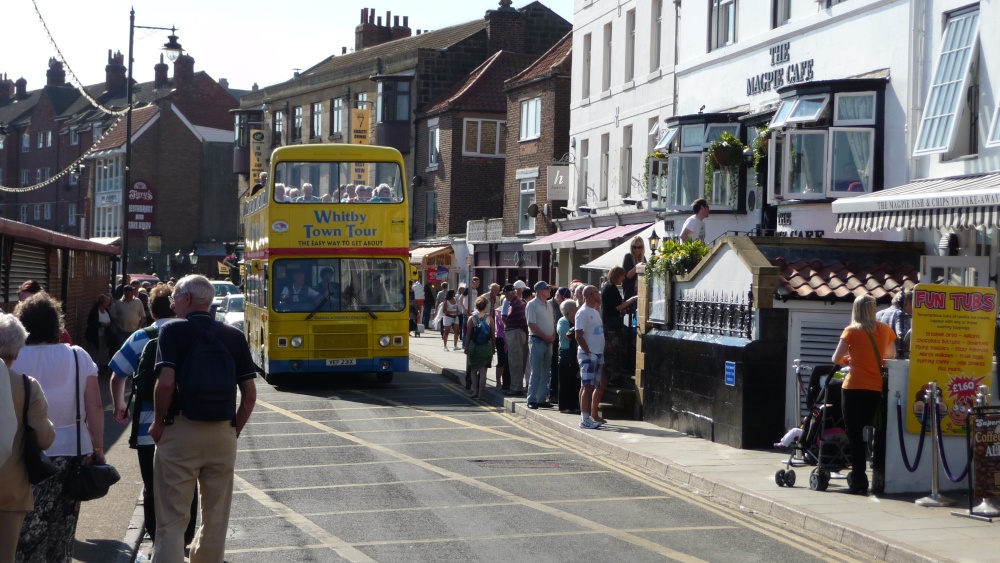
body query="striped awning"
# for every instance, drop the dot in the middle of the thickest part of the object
(957, 202)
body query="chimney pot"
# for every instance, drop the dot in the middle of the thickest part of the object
(364, 15)
(406, 21)
(388, 18)
(395, 21)
(343, 50)
(379, 21)
(371, 15)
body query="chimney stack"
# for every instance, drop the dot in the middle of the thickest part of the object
(55, 76)
(114, 73)
(183, 72)
(399, 32)
(6, 88)
(160, 74)
(20, 88)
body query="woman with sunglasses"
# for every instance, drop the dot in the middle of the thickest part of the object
(636, 256)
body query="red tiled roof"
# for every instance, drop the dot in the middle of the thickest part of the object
(116, 135)
(557, 60)
(482, 89)
(843, 281)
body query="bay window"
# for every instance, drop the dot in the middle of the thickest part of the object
(685, 180)
(805, 152)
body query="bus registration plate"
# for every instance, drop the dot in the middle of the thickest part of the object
(341, 362)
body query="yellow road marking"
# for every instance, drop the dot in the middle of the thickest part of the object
(552, 511)
(435, 428)
(416, 481)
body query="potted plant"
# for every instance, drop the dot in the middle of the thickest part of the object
(760, 147)
(725, 152)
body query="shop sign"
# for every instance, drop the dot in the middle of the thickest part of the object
(140, 207)
(986, 454)
(360, 125)
(108, 199)
(783, 71)
(952, 344)
(256, 154)
(557, 180)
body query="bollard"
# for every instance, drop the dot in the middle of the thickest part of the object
(986, 507)
(935, 498)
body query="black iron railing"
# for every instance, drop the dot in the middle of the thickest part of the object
(714, 312)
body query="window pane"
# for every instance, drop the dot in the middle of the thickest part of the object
(724, 187)
(808, 108)
(664, 143)
(782, 114)
(472, 136)
(808, 157)
(685, 180)
(945, 97)
(852, 157)
(691, 137)
(502, 149)
(714, 132)
(855, 108)
(489, 134)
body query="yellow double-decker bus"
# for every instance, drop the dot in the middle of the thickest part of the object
(327, 243)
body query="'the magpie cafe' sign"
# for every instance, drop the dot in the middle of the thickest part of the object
(783, 71)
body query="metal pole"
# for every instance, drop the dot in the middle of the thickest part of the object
(128, 143)
(935, 498)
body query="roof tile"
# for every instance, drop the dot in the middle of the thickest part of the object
(816, 279)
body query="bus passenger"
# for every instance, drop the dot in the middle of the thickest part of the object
(307, 194)
(292, 194)
(383, 194)
(279, 192)
(299, 295)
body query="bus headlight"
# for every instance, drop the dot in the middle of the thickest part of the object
(383, 341)
(296, 342)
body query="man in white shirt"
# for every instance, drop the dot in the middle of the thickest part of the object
(589, 330)
(542, 333)
(695, 224)
(418, 296)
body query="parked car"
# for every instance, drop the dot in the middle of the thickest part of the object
(230, 311)
(222, 289)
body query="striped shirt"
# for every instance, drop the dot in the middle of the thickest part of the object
(124, 364)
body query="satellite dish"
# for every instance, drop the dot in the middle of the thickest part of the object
(532, 210)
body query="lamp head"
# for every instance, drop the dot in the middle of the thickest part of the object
(172, 48)
(654, 241)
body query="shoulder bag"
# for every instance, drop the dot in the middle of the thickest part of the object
(878, 356)
(83, 481)
(39, 466)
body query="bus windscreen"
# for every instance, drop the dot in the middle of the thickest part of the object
(338, 182)
(325, 285)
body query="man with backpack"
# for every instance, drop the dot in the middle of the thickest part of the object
(135, 360)
(200, 363)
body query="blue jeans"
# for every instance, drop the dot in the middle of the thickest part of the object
(540, 356)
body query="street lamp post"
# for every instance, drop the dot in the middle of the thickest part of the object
(173, 50)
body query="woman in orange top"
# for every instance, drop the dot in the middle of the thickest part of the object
(862, 391)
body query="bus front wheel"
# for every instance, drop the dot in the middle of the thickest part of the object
(384, 377)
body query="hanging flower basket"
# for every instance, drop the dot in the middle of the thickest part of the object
(726, 152)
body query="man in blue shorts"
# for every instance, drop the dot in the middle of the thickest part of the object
(590, 337)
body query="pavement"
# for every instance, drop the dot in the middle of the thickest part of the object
(891, 528)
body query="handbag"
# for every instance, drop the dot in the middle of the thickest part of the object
(83, 481)
(39, 466)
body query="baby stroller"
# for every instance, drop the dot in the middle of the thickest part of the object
(823, 443)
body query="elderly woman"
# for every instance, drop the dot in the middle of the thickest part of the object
(47, 534)
(864, 345)
(569, 367)
(15, 491)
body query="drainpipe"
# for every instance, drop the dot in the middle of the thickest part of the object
(677, 23)
(914, 87)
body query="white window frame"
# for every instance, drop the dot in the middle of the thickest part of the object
(74, 136)
(24, 213)
(672, 169)
(71, 219)
(41, 139)
(782, 12)
(668, 136)
(993, 139)
(605, 165)
(316, 120)
(37, 215)
(526, 187)
(584, 181)
(942, 96)
(501, 150)
(531, 119)
(46, 173)
(98, 130)
(731, 191)
(337, 116)
(656, 36)
(787, 168)
(25, 177)
(587, 61)
(714, 131)
(608, 52)
(654, 134)
(824, 100)
(630, 45)
(658, 188)
(47, 211)
(848, 122)
(829, 161)
(715, 21)
(25, 143)
(781, 114)
(699, 135)
(48, 138)
(38, 175)
(433, 143)
(625, 170)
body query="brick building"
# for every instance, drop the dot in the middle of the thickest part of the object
(396, 74)
(181, 157)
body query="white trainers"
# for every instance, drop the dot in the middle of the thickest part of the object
(446, 349)
(589, 424)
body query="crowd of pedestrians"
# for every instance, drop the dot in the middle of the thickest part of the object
(182, 440)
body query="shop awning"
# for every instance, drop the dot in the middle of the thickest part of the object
(609, 237)
(563, 239)
(419, 255)
(615, 256)
(956, 202)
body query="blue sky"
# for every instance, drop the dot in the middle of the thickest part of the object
(245, 42)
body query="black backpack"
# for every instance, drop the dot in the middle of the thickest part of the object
(206, 378)
(143, 382)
